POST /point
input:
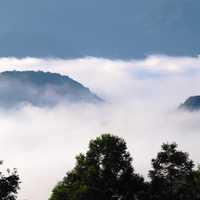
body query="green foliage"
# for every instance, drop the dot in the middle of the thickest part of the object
(103, 173)
(171, 169)
(9, 185)
(191, 191)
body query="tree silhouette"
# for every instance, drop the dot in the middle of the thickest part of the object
(171, 168)
(191, 189)
(9, 185)
(105, 172)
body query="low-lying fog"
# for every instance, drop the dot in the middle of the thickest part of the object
(141, 97)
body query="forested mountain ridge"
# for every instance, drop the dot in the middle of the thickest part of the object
(41, 89)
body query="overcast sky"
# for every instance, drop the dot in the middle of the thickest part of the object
(116, 28)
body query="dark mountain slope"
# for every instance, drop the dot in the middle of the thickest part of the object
(41, 89)
(191, 104)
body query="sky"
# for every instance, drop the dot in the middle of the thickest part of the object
(113, 29)
(142, 97)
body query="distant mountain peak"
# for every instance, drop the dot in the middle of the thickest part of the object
(191, 104)
(42, 89)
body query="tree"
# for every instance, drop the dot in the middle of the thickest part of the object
(105, 172)
(171, 169)
(191, 190)
(9, 185)
(195, 185)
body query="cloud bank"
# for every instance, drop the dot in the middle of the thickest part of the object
(142, 98)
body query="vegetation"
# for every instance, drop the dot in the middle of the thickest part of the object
(42, 89)
(9, 185)
(170, 171)
(105, 172)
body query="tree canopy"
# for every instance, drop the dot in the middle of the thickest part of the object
(9, 185)
(171, 169)
(105, 172)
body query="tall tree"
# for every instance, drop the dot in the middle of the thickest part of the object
(196, 183)
(9, 185)
(105, 172)
(171, 168)
(191, 189)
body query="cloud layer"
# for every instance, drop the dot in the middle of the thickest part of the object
(142, 98)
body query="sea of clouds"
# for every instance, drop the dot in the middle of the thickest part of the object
(142, 97)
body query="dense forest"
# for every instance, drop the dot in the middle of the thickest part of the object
(106, 172)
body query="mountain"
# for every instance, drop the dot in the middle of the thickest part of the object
(102, 28)
(41, 89)
(191, 104)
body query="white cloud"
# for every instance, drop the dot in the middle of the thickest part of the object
(143, 96)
